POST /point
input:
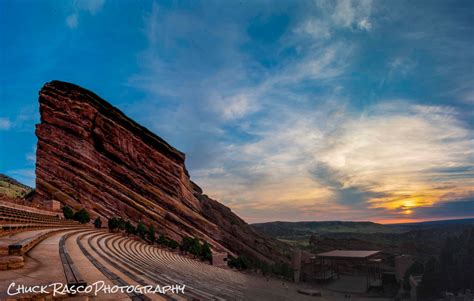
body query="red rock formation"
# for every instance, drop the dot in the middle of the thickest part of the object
(91, 155)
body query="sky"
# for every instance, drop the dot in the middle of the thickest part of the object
(286, 110)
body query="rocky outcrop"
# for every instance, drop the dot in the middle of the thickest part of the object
(91, 155)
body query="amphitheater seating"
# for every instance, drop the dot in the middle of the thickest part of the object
(14, 220)
(138, 261)
(114, 257)
(72, 274)
(24, 245)
(150, 265)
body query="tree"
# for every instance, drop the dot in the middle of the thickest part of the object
(195, 247)
(172, 244)
(98, 223)
(206, 253)
(68, 213)
(282, 269)
(241, 262)
(453, 270)
(186, 243)
(431, 283)
(121, 224)
(162, 240)
(82, 216)
(113, 224)
(141, 230)
(151, 234)
(415, 269)
(263, 266)
(129, 228)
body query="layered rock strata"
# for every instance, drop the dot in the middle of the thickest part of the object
(91, 155)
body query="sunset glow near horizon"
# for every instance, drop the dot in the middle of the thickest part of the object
(315, 110)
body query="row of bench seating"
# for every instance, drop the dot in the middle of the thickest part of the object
(142, 262)
(11, 219)
(116, 279)
(73, 276)
(14, 212)
(23, 246)
(14, 220)
(11, 252)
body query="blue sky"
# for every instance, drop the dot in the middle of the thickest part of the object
(287, 110)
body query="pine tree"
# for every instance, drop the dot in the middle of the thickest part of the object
(206, 253)
(129, 228)
(82, 216)
(195, 247)
(113, 224)
(151, 234)
(141, 230)
(68, 213)
(98, 223)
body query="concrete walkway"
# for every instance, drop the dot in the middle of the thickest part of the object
(42, 265)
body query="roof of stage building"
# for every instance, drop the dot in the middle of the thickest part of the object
(348, 254)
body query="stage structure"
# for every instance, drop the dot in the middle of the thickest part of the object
(328, 264)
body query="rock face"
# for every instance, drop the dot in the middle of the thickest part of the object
(91, 155)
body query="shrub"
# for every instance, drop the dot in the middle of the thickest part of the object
(263, 266)
(82, 216)
(241, 262)
(415, 269)
(172, 244)
(206, 253)
(98, 223)
(151, 234)
(282, 269)
(165, 241)
(113, 224)
(196, 247)
(162, 240)
(129, 228)
(141, 230)
(67, 211)
(186, 243)
(121, 224)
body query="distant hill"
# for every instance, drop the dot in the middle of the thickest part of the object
(12, 188)
(420, 239)
(292, 229)
(439, 222)
(289, 230)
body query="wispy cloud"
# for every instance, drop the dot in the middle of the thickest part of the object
(385, 158)
(71, 20)
(89, 6)
(348, 13)
(287, 139)
(5, 123)
(25, 119)
(400, 154)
